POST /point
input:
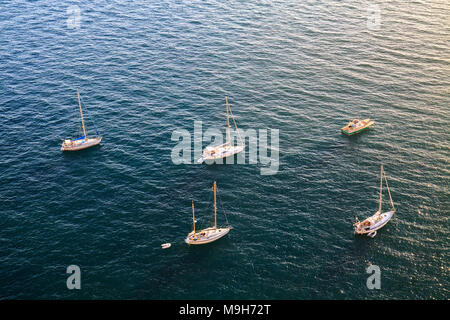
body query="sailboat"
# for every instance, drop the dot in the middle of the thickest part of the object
(379, 219)
(209, 234)
(226, 149)
(84, 141)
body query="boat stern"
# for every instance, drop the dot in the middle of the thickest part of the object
(66, 144)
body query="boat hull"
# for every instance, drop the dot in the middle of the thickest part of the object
(86, 143)
(221, 153)
(376, 223)
(349, 131)
(206, 236)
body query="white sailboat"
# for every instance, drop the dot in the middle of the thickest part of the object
(209, 234)
(82, 142)
(226, 149)
(379, 219)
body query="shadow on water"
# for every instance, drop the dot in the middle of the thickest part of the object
(358, 136)
(81, 153)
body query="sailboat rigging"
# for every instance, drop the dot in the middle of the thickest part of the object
(84, 141)
(226, 149)
(209, 234)
(379, 219)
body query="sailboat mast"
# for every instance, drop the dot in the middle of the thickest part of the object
(389, 192)
(193, 215)
(81, 112)
(234, 121)
(381, 186)
(215, 207)
(228, 122)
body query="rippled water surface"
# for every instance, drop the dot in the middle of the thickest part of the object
(147, 68)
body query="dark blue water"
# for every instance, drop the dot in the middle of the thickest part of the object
(147, 68)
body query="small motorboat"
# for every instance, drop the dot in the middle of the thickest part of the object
(356, 126)
(166, 245)
(370, 226)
